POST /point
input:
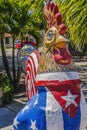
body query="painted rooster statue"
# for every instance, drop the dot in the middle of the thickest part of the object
(53, 87)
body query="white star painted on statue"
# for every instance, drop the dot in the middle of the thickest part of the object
(25, 108)
(33, 125)
(36, 101)
(15, 123)
(70, 99)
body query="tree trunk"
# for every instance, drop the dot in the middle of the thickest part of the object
(18, 76)
(5, 60)
(13, 67)
(13, 60)
(16, 72)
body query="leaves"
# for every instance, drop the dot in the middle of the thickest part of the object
(7, 88)
(18, 17)
(75, 16)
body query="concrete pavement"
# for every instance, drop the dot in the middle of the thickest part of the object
(6, 118)
(8, 112)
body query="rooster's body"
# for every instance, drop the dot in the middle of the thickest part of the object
(59, 103)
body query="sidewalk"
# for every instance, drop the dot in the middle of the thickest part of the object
(8, 112)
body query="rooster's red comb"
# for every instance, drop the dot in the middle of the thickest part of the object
(53, 17)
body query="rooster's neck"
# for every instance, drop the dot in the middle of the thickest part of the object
(47, 63)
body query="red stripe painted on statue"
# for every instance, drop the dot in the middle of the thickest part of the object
(37, 54)
(31, 69)
(29, 83)
(56, 83)
(33, 66)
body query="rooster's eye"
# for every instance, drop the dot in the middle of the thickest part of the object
(49, 35)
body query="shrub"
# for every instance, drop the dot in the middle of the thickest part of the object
(7, 88)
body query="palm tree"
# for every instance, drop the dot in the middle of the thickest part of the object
(3, 29)
(75, 16)
(16, 20)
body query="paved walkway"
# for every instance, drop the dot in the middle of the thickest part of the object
(8, 112)
(6, 118)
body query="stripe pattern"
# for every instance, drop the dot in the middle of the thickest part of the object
(31, 70)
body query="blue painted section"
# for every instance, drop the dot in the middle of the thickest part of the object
(35, 113)
(72, 123)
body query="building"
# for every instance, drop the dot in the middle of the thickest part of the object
(8, 40)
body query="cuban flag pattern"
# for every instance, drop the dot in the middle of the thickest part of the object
(58, 105)
(31, 70)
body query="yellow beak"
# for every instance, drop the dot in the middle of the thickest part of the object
(61, 42)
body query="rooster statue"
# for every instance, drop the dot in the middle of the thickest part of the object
(53, 87)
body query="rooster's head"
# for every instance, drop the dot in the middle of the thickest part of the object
(55, 39)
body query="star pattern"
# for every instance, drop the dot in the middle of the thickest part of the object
(25, 108)
(70, 99)
(33, 125)
(15, 123)
(36, 101)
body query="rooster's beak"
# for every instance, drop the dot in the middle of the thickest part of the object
(61, 42)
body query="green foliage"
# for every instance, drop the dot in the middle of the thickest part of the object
(18, 17)
(75, 16)
(38, 11)
(7, 88)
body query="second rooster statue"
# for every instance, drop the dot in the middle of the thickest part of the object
(53, 87)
